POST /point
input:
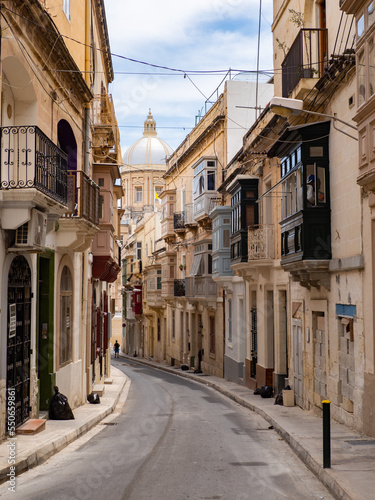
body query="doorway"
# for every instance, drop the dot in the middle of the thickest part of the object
(18, 338)
(297, 360)
(46, 376)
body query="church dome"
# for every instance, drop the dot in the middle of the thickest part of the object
(149, 150)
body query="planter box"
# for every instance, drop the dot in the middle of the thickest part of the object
(288, 397)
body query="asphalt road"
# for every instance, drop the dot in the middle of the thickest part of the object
(173, 439)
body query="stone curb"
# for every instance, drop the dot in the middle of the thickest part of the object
(324, 477)
(45, 451)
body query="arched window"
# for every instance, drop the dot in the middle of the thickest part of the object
(66, 303)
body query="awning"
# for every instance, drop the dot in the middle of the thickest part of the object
(195, 265)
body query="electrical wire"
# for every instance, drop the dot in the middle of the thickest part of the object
(34, 68)
(137, 61)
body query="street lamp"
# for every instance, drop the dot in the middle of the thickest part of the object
(286, 107)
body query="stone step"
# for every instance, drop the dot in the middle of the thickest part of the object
(32, 426)
(108, 381)
(99, 389)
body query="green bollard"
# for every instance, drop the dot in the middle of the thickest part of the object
(326, 434)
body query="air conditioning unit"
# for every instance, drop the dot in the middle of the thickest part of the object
(32, 234)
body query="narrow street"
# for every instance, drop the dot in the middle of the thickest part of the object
(174, 439)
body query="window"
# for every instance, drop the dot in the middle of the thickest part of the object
(371, 66)
(315, 185)
(360, 26)
(159, 329)
(138, 195)
(211, 176)
(101, 203)
(361, 78)
(212, 335)
(366, 55)
(173, 325)
(229, 320)
(196, 265)
(66, 8)
(371, 14)
(158, 279)
(66, 302)
(204, 177)
(138, 255)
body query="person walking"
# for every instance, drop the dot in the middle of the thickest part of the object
(117, 349)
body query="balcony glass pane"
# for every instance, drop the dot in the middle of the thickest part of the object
(371, 14)
(211, 175)
(360, 26)
(361, 79)
(371, 66)
(316, 186)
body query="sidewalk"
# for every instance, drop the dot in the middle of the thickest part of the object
(352, 472)
(31, 450)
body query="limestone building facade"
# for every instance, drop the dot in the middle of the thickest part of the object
(54, 196)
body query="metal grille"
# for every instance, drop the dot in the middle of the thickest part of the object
(254, 342)
(18, 337)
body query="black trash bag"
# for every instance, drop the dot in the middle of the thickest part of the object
(257, 392)
(184, 367)
(59, 408)
(279, 399)
(93, 398)
(266, 391)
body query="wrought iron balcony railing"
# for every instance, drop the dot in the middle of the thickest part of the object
(29, 159)
(83, 197)
(179, 288)
(261, 243)
(179, 220)
(305, 59)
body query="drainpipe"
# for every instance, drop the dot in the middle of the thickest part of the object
(86, 165)
(1, 69)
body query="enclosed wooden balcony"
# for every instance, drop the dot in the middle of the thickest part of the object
(200, 287)
(104, 122)
(190, 222)
(261, 242)
(83, 200)
(80, 223)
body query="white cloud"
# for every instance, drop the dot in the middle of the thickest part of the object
(193, 35)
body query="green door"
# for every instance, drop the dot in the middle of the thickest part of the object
(46, 375)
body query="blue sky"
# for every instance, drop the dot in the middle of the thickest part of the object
(196, 35)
